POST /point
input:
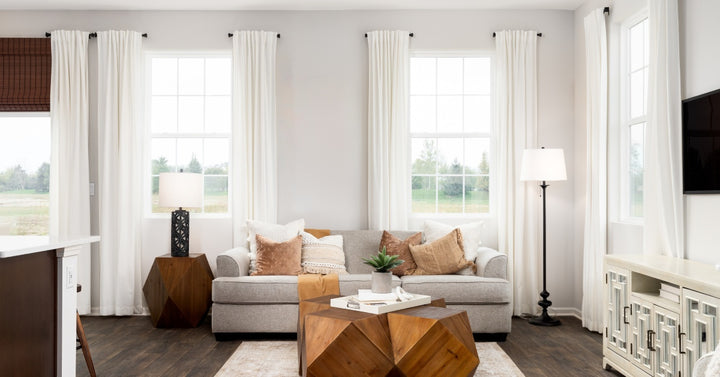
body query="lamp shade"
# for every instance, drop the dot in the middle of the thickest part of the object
(543, 165)
(181, 190)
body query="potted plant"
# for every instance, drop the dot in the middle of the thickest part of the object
(382, 277)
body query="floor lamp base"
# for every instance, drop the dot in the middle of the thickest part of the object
(544, 320)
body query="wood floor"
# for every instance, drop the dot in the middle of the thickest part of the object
(131, 346)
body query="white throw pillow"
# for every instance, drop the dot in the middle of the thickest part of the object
(273, 232)
(471, 234)
(323, 255)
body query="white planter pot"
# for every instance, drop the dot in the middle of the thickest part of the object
(381, 282)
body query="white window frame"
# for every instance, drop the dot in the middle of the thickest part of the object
(149, 135)
(418, 216)
(625, 119)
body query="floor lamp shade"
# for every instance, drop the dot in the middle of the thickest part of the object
(543, 165)
(179, 190)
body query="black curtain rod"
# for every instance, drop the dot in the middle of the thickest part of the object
(538, 34)
(93, 35)
(230, 35)
(411, 34)
(606, 10)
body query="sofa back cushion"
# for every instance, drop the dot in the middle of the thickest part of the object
(359, 244)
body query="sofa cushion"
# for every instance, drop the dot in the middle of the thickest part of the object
(275, 232)
(472, 238)
(278, 258)
(442, 256)
(324, 255)
(276, 289)
(359, 244)
(401, 248)
(459, 289)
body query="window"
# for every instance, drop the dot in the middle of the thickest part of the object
(634, 114)
(450, 133)
(24, 173)
(190, 123)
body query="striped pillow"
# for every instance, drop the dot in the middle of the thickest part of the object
(324, 255)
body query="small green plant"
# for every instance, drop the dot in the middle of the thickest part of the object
(383, 262)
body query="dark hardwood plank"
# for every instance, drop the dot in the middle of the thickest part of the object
(131, 346)
(565, 350)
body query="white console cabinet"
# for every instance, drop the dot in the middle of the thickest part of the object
(649, 335)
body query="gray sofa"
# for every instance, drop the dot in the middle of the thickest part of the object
(269, 304)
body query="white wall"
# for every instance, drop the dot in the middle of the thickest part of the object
(322, 91)
(700, 61)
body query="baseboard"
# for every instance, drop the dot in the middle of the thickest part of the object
(565, 312)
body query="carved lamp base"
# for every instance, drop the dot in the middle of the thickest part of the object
(180, 237)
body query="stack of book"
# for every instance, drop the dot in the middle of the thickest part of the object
(670, 292)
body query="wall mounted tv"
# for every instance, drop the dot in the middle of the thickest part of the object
(701, 143)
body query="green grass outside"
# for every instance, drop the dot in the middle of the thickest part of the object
(24, 212)
(215, 202)
(423, 201)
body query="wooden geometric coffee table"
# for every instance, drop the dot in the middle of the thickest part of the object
(421, 341)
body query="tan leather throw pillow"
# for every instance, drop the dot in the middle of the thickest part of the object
(442, 256)
(401, 248)
(278, 258)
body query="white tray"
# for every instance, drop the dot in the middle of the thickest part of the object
(380, 307)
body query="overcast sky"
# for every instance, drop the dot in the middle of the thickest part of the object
(24, 141)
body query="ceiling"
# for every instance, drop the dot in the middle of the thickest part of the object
(285, 4)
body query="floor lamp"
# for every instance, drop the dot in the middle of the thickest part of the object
(543, 165)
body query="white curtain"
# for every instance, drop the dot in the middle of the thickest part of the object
(388, 106)
(516, 129)
(595, 237)
(69, 164)
(663, 196)
(120, 168)
(254, 136)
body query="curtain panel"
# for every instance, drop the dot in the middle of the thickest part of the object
(254, 136)
(69, 164)
(388, 138)
(663, 231)
(25, 65)
(596, 108)
(120, 168)
(516, 129)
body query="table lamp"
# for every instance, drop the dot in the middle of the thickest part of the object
(543, 165)
(180, 190)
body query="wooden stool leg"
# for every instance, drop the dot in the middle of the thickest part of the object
(85, 347)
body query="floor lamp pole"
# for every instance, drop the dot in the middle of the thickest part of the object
(544, 319)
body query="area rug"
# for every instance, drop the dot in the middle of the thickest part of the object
(279, 359)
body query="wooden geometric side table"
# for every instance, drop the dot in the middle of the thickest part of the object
(178, 290)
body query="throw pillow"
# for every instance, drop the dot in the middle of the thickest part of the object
(278, 258)
(324, 255)
(442, 256)
(471, 233)
(273, 232)
(318, 233)
(401, 248)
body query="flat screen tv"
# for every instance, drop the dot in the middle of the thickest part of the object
(701, 143)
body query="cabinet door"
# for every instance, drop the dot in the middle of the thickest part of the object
(640, 326)
(699, 326)
(618, 310)
(665, 342)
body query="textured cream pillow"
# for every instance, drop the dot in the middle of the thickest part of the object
(442, 256)
(324, 255)
(278, 258)
(273, 232)
(471, 234)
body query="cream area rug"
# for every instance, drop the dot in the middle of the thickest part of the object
(279, 359)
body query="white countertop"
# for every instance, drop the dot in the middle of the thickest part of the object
(13, 246)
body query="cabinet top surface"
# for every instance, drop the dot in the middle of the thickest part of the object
(685, 272)
(13, 246)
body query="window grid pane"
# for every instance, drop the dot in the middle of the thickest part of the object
(190, 121)
(450, 123)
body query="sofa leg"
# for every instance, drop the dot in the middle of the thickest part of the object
(221, 336)
(490, 337)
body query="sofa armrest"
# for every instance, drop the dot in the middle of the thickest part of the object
(234, 262)
(491, 263)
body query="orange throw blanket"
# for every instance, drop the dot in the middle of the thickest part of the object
(316, 285)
